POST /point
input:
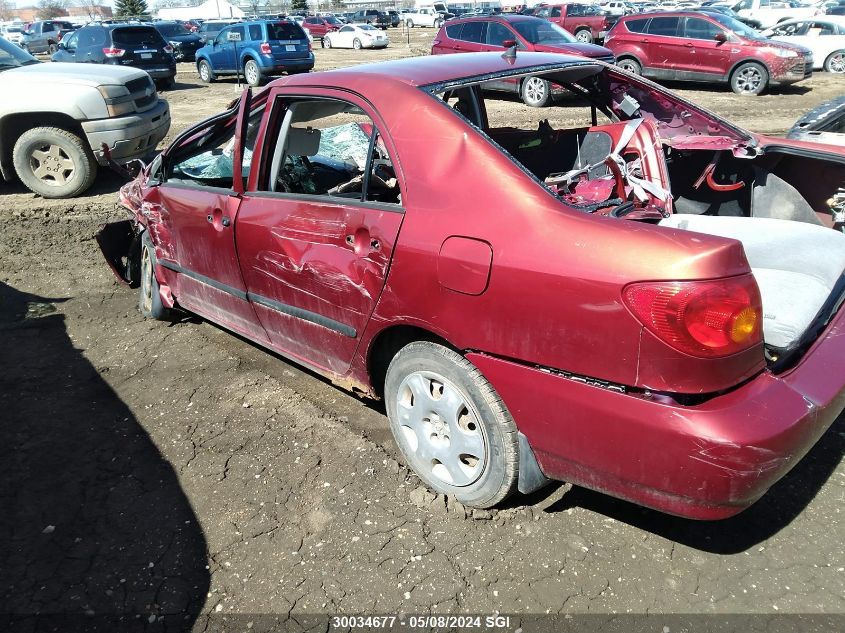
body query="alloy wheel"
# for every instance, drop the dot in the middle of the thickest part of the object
(251, 73)
(749, 79)
(52, 165)
(442, 429)
(535, 89)
(836, 63)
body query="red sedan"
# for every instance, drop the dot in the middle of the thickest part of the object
(646, 303)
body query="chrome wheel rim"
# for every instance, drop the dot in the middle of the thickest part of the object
(52, 165)
(356, 44)
(204, 72)
(535, 89)
(584, 37)
(146, 280)
(327, 43)
(837, 63)
(441, 429)
(749, 80)
(252, 73)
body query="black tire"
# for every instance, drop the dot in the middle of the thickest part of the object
(52, 48)
(327, 43)
(631, 65)
(584, 36)
(149, 297)
(749, 79)
(409, 24)
(356, 44)
(205, 72)
(479, 411)
(835, 62)
(166, 84)
(54, 163)
(438, 24)
(252, 73)
(824, 116)
(535, 92)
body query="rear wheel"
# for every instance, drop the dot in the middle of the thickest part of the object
(409, 24)
(438, 24)
(450, 425)
(54, 163)
(252, 73)
(749, 79)
(52, 48)
(356, 44)
(535, 92)
(166, 84)
(835, 62)
(631, 65)
(584, 36)
(327, 43)
(205, 72)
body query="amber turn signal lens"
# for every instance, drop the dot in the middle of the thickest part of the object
(743, 325)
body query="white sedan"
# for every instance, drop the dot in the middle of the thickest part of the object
(356, 36)
(824, 35)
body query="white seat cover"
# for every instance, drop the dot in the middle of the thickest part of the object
(795, 264)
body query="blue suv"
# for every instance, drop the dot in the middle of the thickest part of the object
(264, 48)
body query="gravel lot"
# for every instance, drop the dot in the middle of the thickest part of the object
(179, 475)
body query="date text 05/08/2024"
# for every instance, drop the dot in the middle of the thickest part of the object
(417, 622)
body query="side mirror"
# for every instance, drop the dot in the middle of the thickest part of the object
(509, 43)
(63, 46)
(720, 37)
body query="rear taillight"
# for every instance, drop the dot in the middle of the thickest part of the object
(168, 49)
(265, 48)
(59, 37)
(709, 319)
(113, 52)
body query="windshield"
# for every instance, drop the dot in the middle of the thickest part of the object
(743, 30)
(172, 30)
(542, 32)
(12, 56)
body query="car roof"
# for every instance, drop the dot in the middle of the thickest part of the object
(432, 69)
(501, 17)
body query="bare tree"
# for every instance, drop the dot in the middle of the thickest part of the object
(48, 9)
(7, 10)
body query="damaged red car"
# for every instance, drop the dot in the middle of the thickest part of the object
(630, 294)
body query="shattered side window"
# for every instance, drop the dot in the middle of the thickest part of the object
(332, 148)
(206, 158)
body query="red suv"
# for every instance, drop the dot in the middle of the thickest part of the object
(318, 26)
(706, 47)
(493, 33)
(586, 21)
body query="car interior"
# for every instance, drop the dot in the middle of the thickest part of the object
(644, 155)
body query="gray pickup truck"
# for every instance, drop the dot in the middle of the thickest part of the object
(55, 119)
(44, 36)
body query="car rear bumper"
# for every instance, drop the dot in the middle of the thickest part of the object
(708, 461)
(288, 65)
(129, 137)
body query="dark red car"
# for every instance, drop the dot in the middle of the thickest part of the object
(588, 22)
(614, 301)
(318, 26)
(498, 32)
(708, 47)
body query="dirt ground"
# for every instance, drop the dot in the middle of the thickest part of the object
(179, 477)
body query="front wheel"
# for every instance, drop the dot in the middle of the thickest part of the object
(54, 163)
(535, 92)
(749, 79)
(438, 24)
(149, 292)
(252, 73)
(356, 44)
(584, 36)
(205, 72)
(409, 24)
(450, 425)
(835, 62)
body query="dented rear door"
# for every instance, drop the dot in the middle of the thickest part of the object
(315, 264)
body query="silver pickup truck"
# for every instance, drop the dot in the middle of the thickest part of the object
(55, 118)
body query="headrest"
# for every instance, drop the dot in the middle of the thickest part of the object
(302, 141)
